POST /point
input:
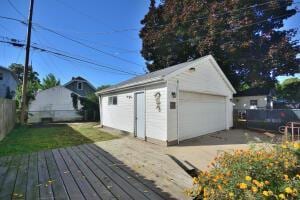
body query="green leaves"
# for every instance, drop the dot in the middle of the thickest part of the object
(243, 36)
(50, 81)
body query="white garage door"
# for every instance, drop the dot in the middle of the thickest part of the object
(200, 114)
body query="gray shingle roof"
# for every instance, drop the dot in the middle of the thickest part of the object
(156, 75)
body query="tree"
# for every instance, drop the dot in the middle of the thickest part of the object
(33, 83)
(289, 90)
(90, 107)
(18, 70)
(243, 35)
(102, 87)
(50, 81)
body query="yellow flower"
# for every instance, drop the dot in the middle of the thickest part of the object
(195, 180)
(266, 193)
(254, 189)
(295, 191)
(298, 176)
(220, 187)
(231, 194)
(283, 146)
(248, 178)
(297, 145)
(243, 186)
(288, 190)
(267, 182)
(286, 177)
(270, 192)
(281, 196)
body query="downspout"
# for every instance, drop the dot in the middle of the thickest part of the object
(145, 121)
(177, 91)
(100, 110)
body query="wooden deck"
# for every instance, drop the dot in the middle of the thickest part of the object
(80, 172)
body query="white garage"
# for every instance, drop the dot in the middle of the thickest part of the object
(201, 114)
(170, 105)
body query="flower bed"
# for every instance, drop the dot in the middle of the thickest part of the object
(257, 173)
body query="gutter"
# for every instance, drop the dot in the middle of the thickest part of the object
(161, 80)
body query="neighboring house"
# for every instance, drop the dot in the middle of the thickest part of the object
(254, 98)
(172, 104)
(8, 83)
(57, 103)
(80, 86)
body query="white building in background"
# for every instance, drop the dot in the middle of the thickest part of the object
(254, 98)
(8, 83)
(170, 105)
(57, 103)
(53, 104)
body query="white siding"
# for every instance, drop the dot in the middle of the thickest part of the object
(244, 102)
(156, 121)
(206, 80)
(55, 103)
(121, 116)
(200, 114)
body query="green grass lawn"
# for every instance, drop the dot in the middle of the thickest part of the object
(26, 139)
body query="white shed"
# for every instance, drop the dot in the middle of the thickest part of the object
(170, 105)
(53, 104)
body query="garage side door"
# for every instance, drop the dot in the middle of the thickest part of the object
(200, 114)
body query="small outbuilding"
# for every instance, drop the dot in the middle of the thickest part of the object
(170, 105)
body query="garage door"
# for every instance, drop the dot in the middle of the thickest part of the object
(200, 114)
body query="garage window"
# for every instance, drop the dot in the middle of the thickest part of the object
(113, 100)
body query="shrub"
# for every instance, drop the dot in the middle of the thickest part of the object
(257, 173)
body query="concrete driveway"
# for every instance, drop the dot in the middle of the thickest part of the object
(156, 163)
(202, 150)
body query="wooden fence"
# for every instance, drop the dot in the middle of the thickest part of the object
(7, 116)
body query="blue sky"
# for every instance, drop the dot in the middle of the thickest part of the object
(94, 22)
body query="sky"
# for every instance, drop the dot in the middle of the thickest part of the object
(111, 26)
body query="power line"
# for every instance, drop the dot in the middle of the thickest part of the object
(183, 41)
(14, 19)
(79, 56)
(16, 9)
(16, 44)
(87, 46)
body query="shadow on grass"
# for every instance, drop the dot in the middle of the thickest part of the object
(32, 138)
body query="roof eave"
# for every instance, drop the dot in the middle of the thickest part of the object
(132, 86)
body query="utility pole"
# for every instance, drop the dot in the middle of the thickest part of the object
(25, 75)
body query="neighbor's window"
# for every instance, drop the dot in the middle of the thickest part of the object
(253, 102)
(113, 100)
(1, 76)
(79, 85)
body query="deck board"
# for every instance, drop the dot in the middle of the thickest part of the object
(10, 179)
(98, 186)
(4, 165)
(78, 172)
(32, 189)
(108, 182)
(71, 186)
(86, 189)
(130, 189)
(59, 190)
(21, 181)
(44, 187)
